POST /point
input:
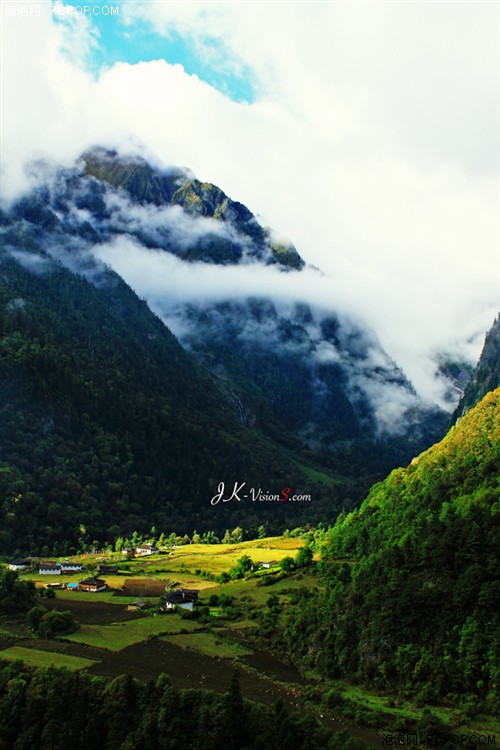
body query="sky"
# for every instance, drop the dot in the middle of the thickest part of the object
(365, 132)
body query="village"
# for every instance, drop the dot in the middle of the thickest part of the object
(138, 574)
(68, 567)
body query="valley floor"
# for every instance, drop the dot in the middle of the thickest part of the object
(113, 640)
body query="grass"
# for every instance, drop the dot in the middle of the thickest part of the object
(209, 644)
(45, 658)
(104, 597)
(119, 635)
(218, 558)
(316, 475)
(378, 704)
(260, 594)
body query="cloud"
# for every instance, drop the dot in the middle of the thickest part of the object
(373, 145)
(169, 226)
(168, 283)
(30, 261)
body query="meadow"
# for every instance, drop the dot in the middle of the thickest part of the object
(120, 635)
(39, 658)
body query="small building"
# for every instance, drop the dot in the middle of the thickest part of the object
(269, 564)
(68, 568)
(183, 598)
(92, 584)
(146, 549)
(107, 569)
(19, 565)
(72, 586)
(49, 569)
(137, 606)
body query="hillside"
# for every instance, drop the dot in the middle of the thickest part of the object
(411, 579)
(486, 375)
(108, 425)
(111, 423)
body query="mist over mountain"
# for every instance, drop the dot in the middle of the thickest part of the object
(222, 289)
(271, 380)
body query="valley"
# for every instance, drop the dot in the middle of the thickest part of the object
(114, 639)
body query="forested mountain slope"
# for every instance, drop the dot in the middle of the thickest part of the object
(410, 580)
(109, 423)
(486, 375)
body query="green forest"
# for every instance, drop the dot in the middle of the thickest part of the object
(107, 423)
(51, 709)
(410, 589)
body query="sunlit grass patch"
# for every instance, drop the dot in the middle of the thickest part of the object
(210, 644)
(119, 635)
(39, 658)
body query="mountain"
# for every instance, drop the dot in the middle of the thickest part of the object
(110, 422)
(107, 424)
(486, 376)
(410, 580)
(298, 372)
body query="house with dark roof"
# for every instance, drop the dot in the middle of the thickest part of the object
(183, 598)
(19, 565)
(68, 568)
(92, 584)
(107, 569)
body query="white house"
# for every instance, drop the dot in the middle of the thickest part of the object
(19, 565)
(182, 598)
(49, 569)
(146, 549)
(92, 584)
(71, 567)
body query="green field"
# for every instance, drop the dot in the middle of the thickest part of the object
(39, 658)
(382, 706)
(260, 594)
(119, 635)
(210, 644)
(104, 597)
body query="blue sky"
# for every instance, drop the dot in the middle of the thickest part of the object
(139, 41)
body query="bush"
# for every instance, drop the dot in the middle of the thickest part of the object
(48, 624)
(273, 601)
(333, 699)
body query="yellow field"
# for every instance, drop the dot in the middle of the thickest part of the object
(178, 566)
(217, 558)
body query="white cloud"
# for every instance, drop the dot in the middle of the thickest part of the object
(373, 144)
